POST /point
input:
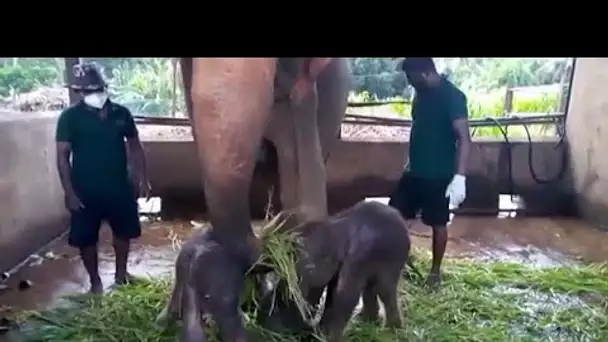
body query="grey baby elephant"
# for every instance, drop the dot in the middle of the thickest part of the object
(208, 280)
(359, 251)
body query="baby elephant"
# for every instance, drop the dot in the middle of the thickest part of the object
(208, 280)
(361, 250)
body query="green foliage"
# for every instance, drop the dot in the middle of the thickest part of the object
(378, 77)
(25, 74)
(146, 85)
(483, 106)
(486, 74)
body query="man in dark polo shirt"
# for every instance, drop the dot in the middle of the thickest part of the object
(434, 179)
(96, 183)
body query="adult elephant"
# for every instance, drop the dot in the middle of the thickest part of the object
(233, 103)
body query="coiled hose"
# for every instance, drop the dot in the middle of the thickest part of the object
(511, 181)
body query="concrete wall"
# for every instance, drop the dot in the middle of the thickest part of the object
(31, 199)
(359, 169)
(587, 131)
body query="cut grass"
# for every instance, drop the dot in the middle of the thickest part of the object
(477, 302)
(281, 247)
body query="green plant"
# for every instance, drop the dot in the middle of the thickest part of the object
(146, 85)
(147, 88)
(18, 79)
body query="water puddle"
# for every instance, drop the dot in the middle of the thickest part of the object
(540, 313)
(528, 254)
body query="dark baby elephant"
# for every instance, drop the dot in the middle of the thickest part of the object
(208, 280)
(361, 250)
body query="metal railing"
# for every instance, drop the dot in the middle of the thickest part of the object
(508, 120)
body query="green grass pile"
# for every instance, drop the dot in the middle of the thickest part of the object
(281, 245)
(477, 302)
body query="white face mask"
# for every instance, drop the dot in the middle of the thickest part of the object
(96, 100)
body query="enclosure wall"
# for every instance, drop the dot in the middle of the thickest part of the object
(360, 169)
(587, 131)
(31, 200)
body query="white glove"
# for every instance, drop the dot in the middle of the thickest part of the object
(456, 191)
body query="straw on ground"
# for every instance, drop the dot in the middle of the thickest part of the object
(478, 302)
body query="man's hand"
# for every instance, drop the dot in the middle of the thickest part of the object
(73, 203)
(456, 190)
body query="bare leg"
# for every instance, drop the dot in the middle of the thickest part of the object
(90, 261)
(440, 240)
(121, 249)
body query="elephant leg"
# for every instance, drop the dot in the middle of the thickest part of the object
(173, 309)
(192, 328)
(344, 299)
(281, 132)
(311, 167)
(333, 86)
(370, 302)
(229, 321)
(231, 102)
(387, 291)
(293, 129)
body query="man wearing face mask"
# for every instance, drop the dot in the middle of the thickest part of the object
(434, 179)
(96, 183)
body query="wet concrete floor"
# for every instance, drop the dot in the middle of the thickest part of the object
(539, 241)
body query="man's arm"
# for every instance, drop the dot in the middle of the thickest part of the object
(63, 138)
(136, 150)
(460, 125)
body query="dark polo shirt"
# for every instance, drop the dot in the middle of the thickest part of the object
(99, 158)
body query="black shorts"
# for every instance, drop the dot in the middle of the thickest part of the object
(121, 212)
(415, 195)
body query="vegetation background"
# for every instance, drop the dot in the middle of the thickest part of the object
(146, 85)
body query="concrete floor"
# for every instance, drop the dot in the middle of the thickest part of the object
(540, 241)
